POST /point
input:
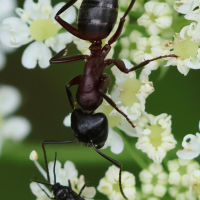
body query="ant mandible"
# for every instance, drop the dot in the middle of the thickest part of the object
(60, 192)
(95, 22)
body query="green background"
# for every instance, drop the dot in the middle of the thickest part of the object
(45, 104)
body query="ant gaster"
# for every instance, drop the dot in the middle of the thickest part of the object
(96, 20)
(60, 192)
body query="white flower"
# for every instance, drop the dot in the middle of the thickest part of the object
(191, 144)
(188, 7)
(157, 138)
(11, 127)
(154, 180)
(129, 44)
(131, 100)
(109, 185)
(6, 10)
(195, 181)
(180, 171)
(149, 48)
(156, 18)
(36, 24)
(114, 140)
(69, 172)
(186, 47)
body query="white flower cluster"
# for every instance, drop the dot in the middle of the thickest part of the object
(11, 127)
(36, 24)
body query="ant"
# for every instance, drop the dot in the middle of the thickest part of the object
(96, 20)
(60, 192)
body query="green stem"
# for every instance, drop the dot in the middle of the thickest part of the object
(136, 157)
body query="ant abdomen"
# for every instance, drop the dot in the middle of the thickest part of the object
(97, 18)
(90, 127)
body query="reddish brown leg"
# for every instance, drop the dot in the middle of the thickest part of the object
(57, 58)
(74, 81)
(105, 81)
(121, 66)
(121, 24)
(74, 31)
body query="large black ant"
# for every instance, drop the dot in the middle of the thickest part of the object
(60, 192)
(96, 20)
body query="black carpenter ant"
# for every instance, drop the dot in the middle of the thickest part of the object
(60, 192)
(95, 22)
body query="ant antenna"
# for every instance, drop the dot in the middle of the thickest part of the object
(54, 168)
(115, 163)
(43, 189)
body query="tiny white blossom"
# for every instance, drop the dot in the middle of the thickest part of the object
(154, 180)
(180, 172)
(188, 7)
(36, 24)
(131, 99)
(186, 47)
(69, 172)
(195, 181)
(11, 127)
(191, 144)
(156, 18)
(6, 10)
(109, 185)
(149, 48)
(157, 138)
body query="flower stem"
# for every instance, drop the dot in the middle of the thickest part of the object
(132, 150)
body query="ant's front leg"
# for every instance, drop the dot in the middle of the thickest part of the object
(122, 67)
(104, 83)
(74, 31)
(58, 57)
(74, 81)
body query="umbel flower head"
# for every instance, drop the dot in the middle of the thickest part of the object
(36, 25)
(69, 172)
(157, 138)
(154, 180)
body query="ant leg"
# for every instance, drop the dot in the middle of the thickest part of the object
(82, 189)
(45, 155)
(74, 81)
(74, 31)
(104, 83)
(121, 66)
(121, 24)
(115, 163)
(44, 191)
(57, 58)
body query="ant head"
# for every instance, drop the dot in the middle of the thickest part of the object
(55, 188)
(90, 127)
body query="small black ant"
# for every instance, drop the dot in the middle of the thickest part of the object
(60, 192)
(96, 20)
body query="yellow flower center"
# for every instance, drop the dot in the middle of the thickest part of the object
(42, 29)
(112, 121)
(130, 88)
(186, 48)
(155, 136)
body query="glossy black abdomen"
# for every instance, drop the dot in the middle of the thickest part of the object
(97, 18)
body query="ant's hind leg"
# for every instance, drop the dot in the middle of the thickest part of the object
(105, 81)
